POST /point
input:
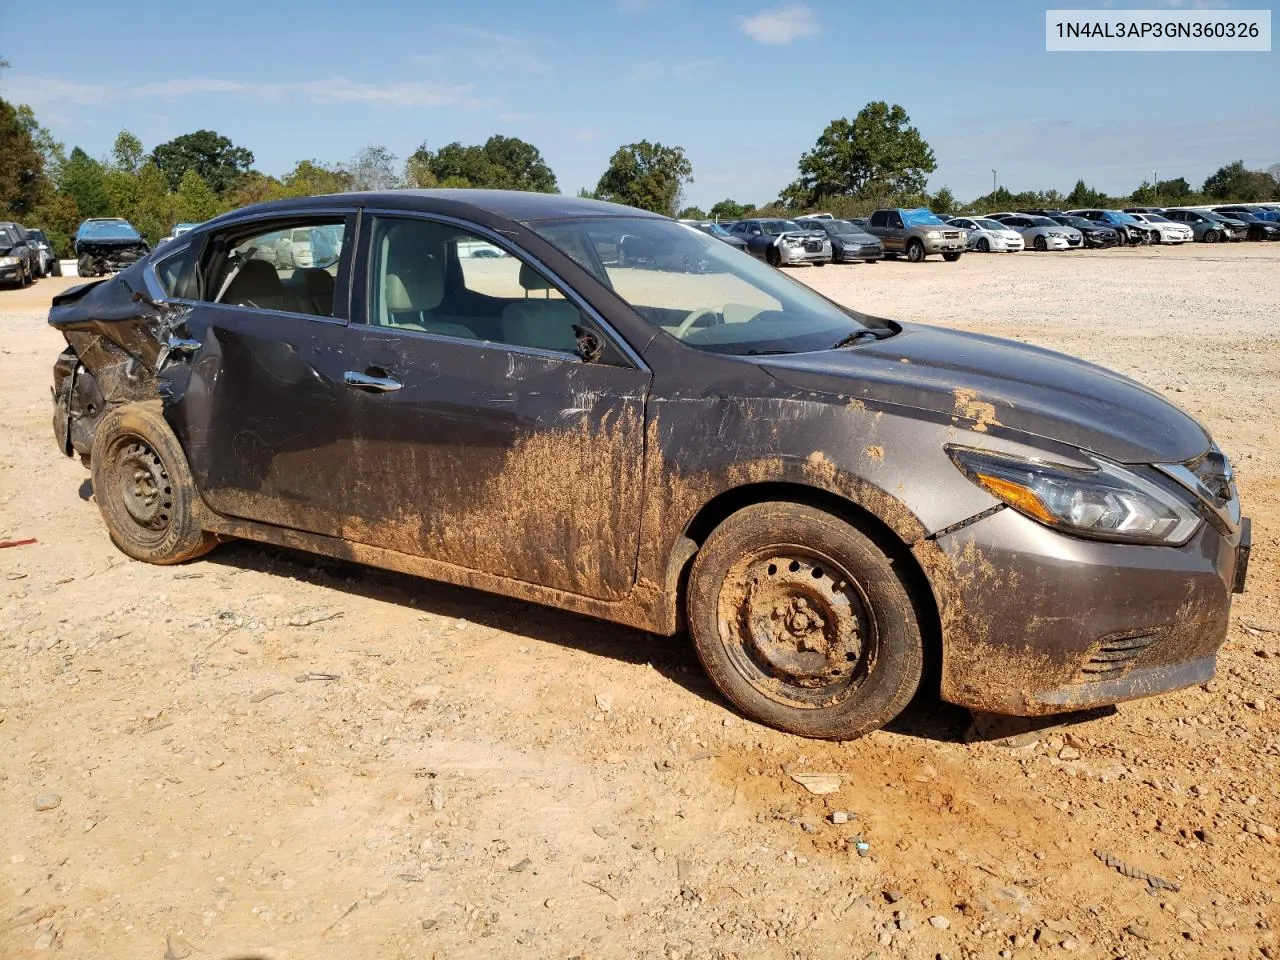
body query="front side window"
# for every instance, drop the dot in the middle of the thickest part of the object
(701, 291)
(290, 267)
(440, 279)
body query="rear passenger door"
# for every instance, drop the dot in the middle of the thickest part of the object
(259, 413)
(480, 437)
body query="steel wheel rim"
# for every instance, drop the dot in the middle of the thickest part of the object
(797, 626)
(140, 483)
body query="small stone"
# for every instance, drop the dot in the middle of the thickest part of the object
(549, 903)
(809, 827)
(604, 702)
(906, 924)
(44, 941)
(818, 783)
(522, 866)
(1257, 703)
(939, 923)
(659, 854)
(1204, 836)
(48, 801)
(840, 816)
(893, 895)
(604, 831)
(438, 798)
(1069, 944)
(1068, 753)
(1267, 832)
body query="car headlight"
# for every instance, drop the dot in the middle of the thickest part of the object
(933, 235)
(964, 236)
(8, 261)
(1108, 502)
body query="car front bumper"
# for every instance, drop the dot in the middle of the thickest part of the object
(1057, 243)
(1036, 622)
(801, 255)
(11, 271)
(944, 246)
(851, 252)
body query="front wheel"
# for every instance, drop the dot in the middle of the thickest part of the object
(984, 245)
(915, 251)
(144, 487)
(772, 257)
(802, 622)
(1041, 244)
(951, 257)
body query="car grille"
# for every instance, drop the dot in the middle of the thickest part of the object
(813, 246)
(950, 234)
(1115, 654)
(1074, 241)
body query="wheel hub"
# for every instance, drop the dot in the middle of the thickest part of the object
(144, 486)
(800, 621)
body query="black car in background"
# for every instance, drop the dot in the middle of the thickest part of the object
(1259, 229)
(50, 265)
(779, 242)
(107, 244)
(849, 243)
(19, 258)
(1095, 234)
(713, 229)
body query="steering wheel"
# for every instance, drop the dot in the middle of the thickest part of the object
(687, 323)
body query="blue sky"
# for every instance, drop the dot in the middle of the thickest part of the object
(745, 87)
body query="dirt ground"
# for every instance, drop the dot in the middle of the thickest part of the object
(478, 777)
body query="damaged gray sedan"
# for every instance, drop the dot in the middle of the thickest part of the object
(829, 502)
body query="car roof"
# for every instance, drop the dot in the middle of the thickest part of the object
(518, 205)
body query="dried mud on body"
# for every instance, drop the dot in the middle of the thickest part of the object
(265, 753)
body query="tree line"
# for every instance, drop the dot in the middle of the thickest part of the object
(875, 159)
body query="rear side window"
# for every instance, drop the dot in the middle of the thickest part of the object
(878, 218)
(178, 275)
(290, 267)
(894, 219)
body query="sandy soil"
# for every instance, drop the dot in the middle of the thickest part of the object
(484, 778)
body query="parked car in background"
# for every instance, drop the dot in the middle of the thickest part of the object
(714, 229)
(1167, 231)
(780, 242)
(835, 505)
(106, 244)
(18, 256)
(1209, 227)
(1257, 228)
(917, 233)
(1131, 231)
(1097, 235)
(1260, 211)
(1041, 233)
(989, 236)
(848, 242)
(50, 265)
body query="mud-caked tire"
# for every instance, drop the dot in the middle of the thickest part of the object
(144, 487)
(804, 623)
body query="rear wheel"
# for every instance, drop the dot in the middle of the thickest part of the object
(803, 623)
(144, 488)
(915, 251)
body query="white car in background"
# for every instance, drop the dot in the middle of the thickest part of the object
(1169, 231)
(989, 236)
(1041, 233)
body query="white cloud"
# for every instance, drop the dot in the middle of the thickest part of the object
(39, 91)
(780, 25)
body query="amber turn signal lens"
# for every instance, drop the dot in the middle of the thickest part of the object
(1018, 496)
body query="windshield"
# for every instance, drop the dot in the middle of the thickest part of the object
(776, 227)
(991, 224)
(1155, 218)
(842, 227)
(1080, 223)
(922, 218)
(1043, 222)
(1118, 217)
(8, 236)
(1213, 216)
(107, 230)
(699, 290)
(714, 229)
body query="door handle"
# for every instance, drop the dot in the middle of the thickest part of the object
(367, 381)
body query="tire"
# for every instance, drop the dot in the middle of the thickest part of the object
(1211, 236)
(1040, 244)
(55, 268)
(951, 257)
(915, 251)
(144, 487)
(772, 257)
(984, 245)
(830, 647)
(1255, 233)
(818, 263)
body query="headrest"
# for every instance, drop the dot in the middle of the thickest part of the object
(531, 279)
(395, 298)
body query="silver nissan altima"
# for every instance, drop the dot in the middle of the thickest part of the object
(989, 236)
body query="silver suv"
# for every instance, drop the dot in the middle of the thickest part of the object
(917, 233)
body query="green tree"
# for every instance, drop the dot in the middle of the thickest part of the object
(83, 180)
(729, 210)
(127, 152)
(153, 212)
(121, 188)
(646, 175)
(58, 217)
(51, 151)
(310, 178)
(501, 163)
(22, 181)
(374, 168)
(254, 187)
(194, 201)
(218, 161)
(692, 213)
(1174, 192)
(1083, 195)
(877, 153)
(1234, 183)
(943, 201)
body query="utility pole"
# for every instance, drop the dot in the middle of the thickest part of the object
(993, 181)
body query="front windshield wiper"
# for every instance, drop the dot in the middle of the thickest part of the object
(866, 333)
(764, 353)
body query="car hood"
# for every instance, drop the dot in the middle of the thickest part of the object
(858, 238)
(993, 383)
